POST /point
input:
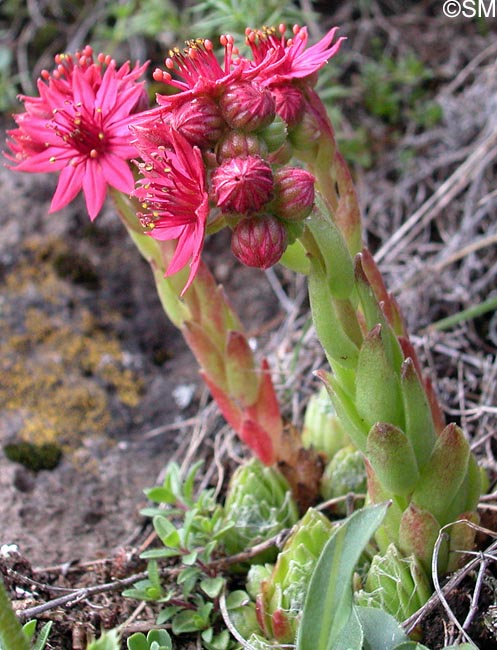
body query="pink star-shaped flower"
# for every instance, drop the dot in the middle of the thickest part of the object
(173, 193)
(291, 58)
(79, 126)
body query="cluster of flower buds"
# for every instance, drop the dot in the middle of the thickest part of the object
(239, 123)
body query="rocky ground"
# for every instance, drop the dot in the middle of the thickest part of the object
(98, 391)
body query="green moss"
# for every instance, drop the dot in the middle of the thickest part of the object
(34, 457)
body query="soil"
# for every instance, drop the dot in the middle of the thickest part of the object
(97, 385)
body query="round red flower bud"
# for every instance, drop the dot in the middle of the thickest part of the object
(199, 121)
(289, 103)
(238, 143)
(247, 106)
(259, 241)
(293, 193)
(243, 184)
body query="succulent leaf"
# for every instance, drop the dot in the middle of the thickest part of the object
(335, 341)
(322, 428)
(443, 474)
(419, 426)
(378, 396)
(392, 457)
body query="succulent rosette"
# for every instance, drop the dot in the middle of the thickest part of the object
(395, 583)
(259, 504)
(322, 428)
(280, 601)
(344, 474)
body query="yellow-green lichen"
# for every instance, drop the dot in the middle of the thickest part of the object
(59, 370)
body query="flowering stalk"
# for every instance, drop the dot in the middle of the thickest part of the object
(387, 407)
(214, 333)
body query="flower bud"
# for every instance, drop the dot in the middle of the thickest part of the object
(281, 156)
(294, 193)
(289, 103)
(246, 105)
(259, 241)
(242, 184)
(199, 121)
(305, 136)
(239, 144)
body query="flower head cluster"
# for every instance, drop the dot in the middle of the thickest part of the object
(79, 126)
(237, 118)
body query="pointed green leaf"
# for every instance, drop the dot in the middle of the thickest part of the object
(167, 613)
(29, 629)
(392, 457)
(328, 605)
(337, 259)
(186, 621)
(354, 425)
(11, 635)
(378, 395)
(158, 553)
(167, 532)
(212, 586)
(160, 495)
(419, 426)
(351, 636)
(443, 474)
(295, 258)
(190, 480)
(42, 637)
(331, 333)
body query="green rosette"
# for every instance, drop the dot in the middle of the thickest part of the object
(258, 506)
(281, 599)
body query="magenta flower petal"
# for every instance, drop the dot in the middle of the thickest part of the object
(106, 96)
(117, 173)
(37, 163)
(94, 188)
(70, 182)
